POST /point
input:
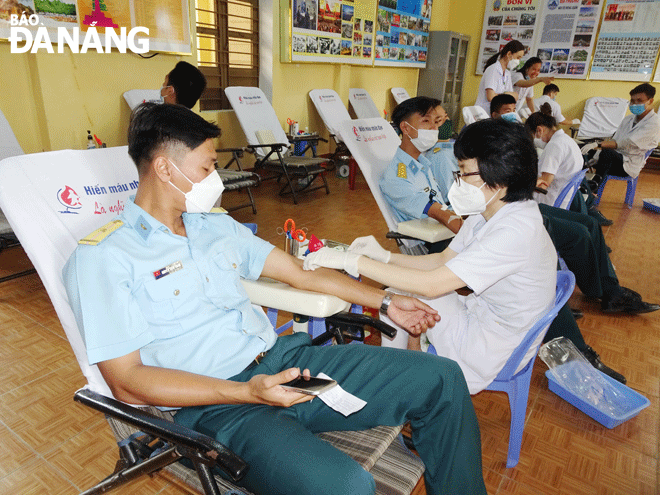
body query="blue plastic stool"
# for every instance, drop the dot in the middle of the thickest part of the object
(569, 190)
(516, 384)
(630, 188)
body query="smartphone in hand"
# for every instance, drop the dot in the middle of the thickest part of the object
(310, 385)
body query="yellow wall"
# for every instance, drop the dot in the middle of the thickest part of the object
(51, 100)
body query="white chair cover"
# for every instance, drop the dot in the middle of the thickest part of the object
(474, 113)
(135, 97)
(362, 103)
(330, 108)
(602, 117)
(524, 113)
(255, 113)
(8, 143)
(400, 94)
(54, 199)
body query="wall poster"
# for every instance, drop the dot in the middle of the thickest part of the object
(332, 31)
(504, 21)
(168, 22)
(402, 33)
(567, 37)
(628, 41)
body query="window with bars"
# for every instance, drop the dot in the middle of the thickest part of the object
(227, 47)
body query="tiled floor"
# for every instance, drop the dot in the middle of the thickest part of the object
(50, 445)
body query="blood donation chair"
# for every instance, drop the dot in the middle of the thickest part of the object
(268, 141)
(373, 143)
(400, 94)
(135, 97)
(524, 113)
(54, 199)
(473, 113)
(362, 103)
(601, 118)
(9, 147)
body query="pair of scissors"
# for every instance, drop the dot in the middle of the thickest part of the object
(290, 121)
(293, 233)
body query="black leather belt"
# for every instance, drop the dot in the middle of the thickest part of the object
(258, 358)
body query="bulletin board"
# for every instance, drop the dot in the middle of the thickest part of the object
(504, 21)
(333, 31)
(628, 41)
(168, 21)
(567, 37)
(402, 33)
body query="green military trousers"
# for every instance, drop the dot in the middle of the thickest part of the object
(285, 456)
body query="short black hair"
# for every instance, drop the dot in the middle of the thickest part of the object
(155, 126)
(419, 104)
(188, 83)
(499, 101)
(505, 155)
(645, 88)
(550, 88)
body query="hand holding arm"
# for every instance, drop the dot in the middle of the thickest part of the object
(331, 258)
(369, 246)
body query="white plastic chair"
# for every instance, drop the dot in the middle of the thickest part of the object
(363, 104)
(52, 200)
(373, 143)
(602, 117)
(135, 97)
(474, 113)
(400, 94)
(524, 113)
(331, 109)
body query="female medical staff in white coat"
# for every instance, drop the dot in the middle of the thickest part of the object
(561, 158)
(502, 252)
(524, 80)
(497, 74)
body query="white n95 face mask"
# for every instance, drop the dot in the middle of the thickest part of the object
(425, 139)
(467, 199)
(513, 63)
(539, 143)
(204, 194)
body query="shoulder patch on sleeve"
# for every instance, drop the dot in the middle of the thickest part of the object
(218, 209)
(401, 171)
(437, 148)
(99, 234)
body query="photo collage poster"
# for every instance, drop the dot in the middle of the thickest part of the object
(567, 37)
(332, 31)
(628, 41)
(402, 33)
(168, 21)
(504, 21)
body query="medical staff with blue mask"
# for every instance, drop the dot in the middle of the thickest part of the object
(625, 154)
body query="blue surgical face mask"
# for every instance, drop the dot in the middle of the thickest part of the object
(510, 117)
(637, 109)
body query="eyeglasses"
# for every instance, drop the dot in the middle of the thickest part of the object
(458, 175)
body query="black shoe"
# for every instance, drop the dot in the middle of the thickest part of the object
(627, 301)
(600, 218)
(577, 314)
(594, 359)
(608, 249)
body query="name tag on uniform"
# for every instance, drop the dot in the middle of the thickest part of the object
(171, 268)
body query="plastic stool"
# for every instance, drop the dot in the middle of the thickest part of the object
(631, 187)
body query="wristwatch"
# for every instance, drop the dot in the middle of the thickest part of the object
(386, 303)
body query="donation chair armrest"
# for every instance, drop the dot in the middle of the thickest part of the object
(203, 445)
(398, 236)
(278, 295)
(426, 229)
(273, 146)
(240, 151)
(346, 318)
(306, 137)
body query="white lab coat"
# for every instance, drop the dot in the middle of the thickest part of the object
(511, 265)
(563, 158)
(523, 93)
(556, 109)
(634, 142)
(496, 79)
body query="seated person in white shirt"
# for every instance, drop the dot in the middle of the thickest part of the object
(408, 184)
(524, 80)
(624, 154)
(502, 252)
(550, 97)
(561, 158)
